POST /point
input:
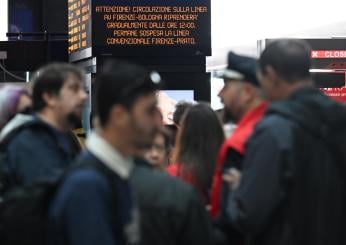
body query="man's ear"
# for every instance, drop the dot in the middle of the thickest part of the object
(118, 115)
(272, 76)
(249, 91)
(49, 99)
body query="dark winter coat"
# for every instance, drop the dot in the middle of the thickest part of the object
(292, 189)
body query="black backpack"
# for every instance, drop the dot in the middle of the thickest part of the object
(5, 179)
(24, 210)
(8, 177)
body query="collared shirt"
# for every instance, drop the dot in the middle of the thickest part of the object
(109, 155)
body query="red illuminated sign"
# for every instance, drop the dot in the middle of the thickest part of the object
(328, 54)
(338, 94)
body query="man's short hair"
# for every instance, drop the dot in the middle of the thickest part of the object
(120, 82)
(290, 58)
(50, 79)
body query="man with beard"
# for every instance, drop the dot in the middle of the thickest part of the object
(94, 205)
(292, 187)
(244, 101)
(41, 150)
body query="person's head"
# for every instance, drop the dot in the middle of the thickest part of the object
(13, 100)
(198, 142)
(180, 108)
(59, 94)
(159, 152)
(283, 66)
(126, 104)
(241, 91)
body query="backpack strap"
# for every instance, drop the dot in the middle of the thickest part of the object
(7, 176)
(8, 138)
(109, 175)
(104, 171)
(31, 124)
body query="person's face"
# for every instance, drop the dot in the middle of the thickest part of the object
(158, 154)
(143, 120)
(232, 97)
(70, 101)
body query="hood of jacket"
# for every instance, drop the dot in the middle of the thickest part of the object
(318, 115)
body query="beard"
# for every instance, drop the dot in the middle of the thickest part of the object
(74, 120)
(146, 139)
(228, 117)
(143, 138)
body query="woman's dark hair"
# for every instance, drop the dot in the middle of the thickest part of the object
(167, 135)
(50, 79)
(198, 143)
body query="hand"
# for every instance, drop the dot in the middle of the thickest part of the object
(232, 177)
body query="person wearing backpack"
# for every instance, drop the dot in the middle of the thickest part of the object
(90, 208)
(292, 187)
(38, 149)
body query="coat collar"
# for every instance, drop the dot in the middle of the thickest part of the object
(110, 156)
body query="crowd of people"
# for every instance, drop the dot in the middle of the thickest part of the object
(277, 179)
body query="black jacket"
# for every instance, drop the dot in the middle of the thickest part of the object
(87, 210)
(228, 233)
(171, 211)
(36, 152)
(293, 184)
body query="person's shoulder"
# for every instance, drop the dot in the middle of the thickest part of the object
(274, 128)
(84, 187)
(166, 190)
(159, 179)
(274, 120)
(81, 180)
(31, 137)
(26, 137)
(31, 128)
(18, 121)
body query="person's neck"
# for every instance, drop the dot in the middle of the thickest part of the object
(49, 118)
(252, 105)
(116, 141)
(255, 103)
(290, 88)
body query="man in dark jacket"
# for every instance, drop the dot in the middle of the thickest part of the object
(171, 211)
(292, 187)
(89, 207)
(41, 150)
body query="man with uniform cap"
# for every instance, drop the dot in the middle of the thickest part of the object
(292, 186)
(244, 101)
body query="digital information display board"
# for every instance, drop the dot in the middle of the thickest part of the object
(79, 25)
(329, 56)
(140, 27)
